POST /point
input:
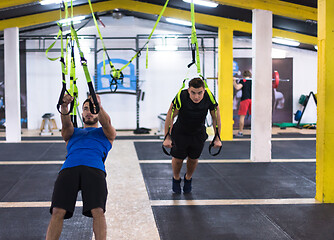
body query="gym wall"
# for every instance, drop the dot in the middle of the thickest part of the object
(160, 82)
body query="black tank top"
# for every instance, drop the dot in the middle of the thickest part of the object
(246, 89)
(191, 117)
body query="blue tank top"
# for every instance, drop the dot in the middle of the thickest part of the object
(88, 147)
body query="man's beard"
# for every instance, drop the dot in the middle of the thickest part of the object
(90, 122)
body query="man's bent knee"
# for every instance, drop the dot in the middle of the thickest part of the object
(97, 212)
(177, 159)
(58, 212)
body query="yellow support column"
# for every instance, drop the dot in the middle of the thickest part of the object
(325, 126)
(225, 81)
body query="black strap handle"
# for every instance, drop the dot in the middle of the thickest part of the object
(212, 144)
(113, 82)
(93, 110)
(74, 120)
(193, 53)
(60, 100)
(163, 147)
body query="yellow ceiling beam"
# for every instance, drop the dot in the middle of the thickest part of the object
(281, 8)
(12, 3)
(302, 38)
(131, 5)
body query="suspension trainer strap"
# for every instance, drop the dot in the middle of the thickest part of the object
(176, 105)
(63, 90)
(86, 72)
(194, 42)
(163, 147)
(62, 61)
(73, 87)
(213, 100)
(52, 45)
(148, 39)
(115, 74)
(212, 142)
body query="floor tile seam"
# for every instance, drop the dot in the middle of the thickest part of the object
(45, 151)
(235, 188)
(236, 202)
(35, 141)
(297, 174)
(235, 139)
(21, 177)
(31, 204)
(300, 160)
(275, 139)
(39, 162)
(272, 222)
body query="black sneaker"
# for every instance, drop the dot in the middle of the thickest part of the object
(240, 134)
(187, 185)
(176, 186)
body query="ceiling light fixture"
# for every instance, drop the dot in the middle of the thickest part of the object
(75, 20)
(178, 21)
(46, 2)
(316, 47)
(165, 47)
(284, 41)
(203, 3)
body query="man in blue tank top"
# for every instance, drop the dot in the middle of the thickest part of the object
(83, 169)
(188, 133)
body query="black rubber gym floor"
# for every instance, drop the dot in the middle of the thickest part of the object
(32, 151)
(31, 224)
(223, 181)
(33, 183)
(248, 222)
(234, 181)
(285, 149)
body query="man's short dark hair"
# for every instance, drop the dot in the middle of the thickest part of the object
(196, 83)
(87, 100)
(247, 73)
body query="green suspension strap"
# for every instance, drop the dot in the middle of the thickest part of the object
(117, 74)
(73, 80)
(194, 42)
(216, 114)
(148, 39)
(176, 105)
(194, 48)
(63, 66)
(73, 87)
(96, 109)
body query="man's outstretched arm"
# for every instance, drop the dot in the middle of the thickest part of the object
(169, 125)
(216, 122)
(105, 122)
(67, 128)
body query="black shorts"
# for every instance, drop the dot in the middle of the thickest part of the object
(187, 145)
(91, 182)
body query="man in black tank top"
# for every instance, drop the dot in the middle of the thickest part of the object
(246, 99)
(187, 136)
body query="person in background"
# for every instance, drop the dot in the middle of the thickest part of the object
(246, 99)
